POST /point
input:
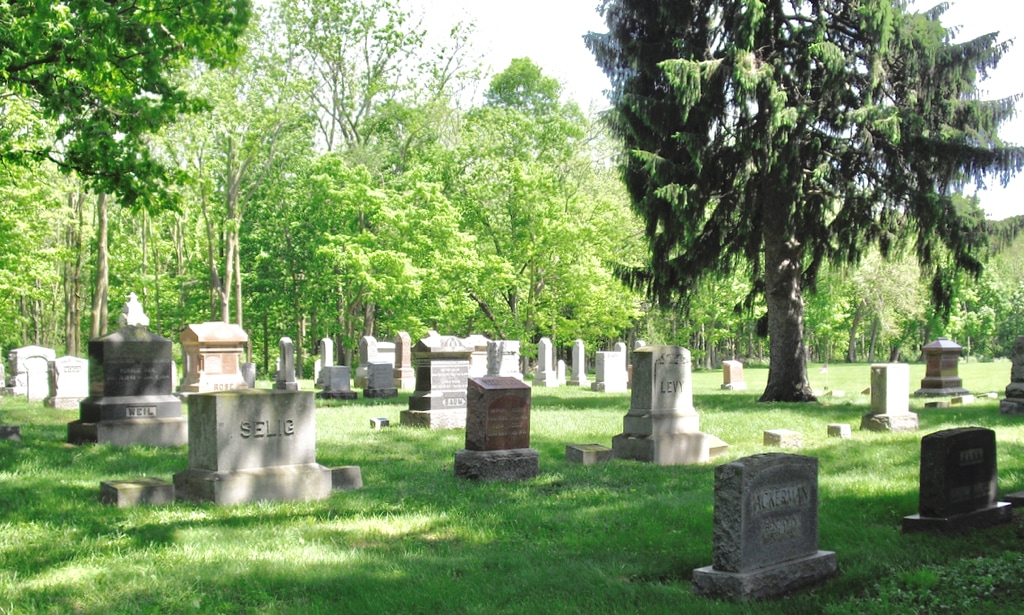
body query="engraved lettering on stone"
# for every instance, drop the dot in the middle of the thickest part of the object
(780, 497)
(267, 428)
(971, 456)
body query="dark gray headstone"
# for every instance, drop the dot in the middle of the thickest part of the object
(442, 371)
(765, 529)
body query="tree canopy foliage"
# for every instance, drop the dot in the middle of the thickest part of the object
(787, 134)
(100, 71)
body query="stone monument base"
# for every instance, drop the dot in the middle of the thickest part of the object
(580, 382)
(509, 464)
(379, 393)
(337, 395)
(735, 386)
(587, 454)
(766, 582)
(346, 478)
(63, 403)
(904, 421)
(1002, 512)
(1015, 499)
(668, 449)
(941, 392)
(298, 482)
(434, 419)
(547, 379)
(128, 432)
(122, 493)
(603, 387)
(1011, 406)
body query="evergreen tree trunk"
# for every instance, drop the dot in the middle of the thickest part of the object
(851, 349)
(787, 369)
(99, 297)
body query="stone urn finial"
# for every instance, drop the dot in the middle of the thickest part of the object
(132, 313)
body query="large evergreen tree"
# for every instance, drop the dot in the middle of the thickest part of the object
(787, 132)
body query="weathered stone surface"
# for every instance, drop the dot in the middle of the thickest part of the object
(213, 353)
(786, 438)
(379, 422)
(662, 425)
(958, 482)
(251, 445)
(27, 371)
(502, 465)
(124, 493)
(346, 478)
(587, 454)
(578, 376)
(405, 375)
(768, 582)
(498, 414)
(503, 359)
(380, 381)
(942, 361)
(442, 372)
(732, 376)
(839, 430)
(285, 380)
(68, 382)
(890, 388)
(611, 373)
(889, 422)
(547, 375)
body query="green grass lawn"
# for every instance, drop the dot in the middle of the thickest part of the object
(621, 537)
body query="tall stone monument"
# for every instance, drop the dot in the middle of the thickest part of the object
(130, 384)
(442, 371)
(765, 529)
(251, 445)
(958, 482)
(497, 431)
(69, 382)
(941, 372)
(662, 425)
(890, 399)
(326, 360)
(405, 375)
(547, 375)
(1014, 402)
(579, 365)
(213, 353)
(285, 380)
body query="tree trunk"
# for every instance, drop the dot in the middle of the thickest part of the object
(99, 298)
(858, 314)
(787, 355)
(73, 276)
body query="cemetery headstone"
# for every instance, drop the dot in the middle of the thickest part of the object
(497, 431)
(28, 371)
(250, 445)
(958, 482)
(130, 385)
(1014, 401)
(560, 371)
(942, 364)
(442, 372)
(765, 529)
(69, 382)
(405, 375)
(890, 399)
(662, 426)
(611, 373)
(10, 432)
(285, 380)
(503, 359)
(380, 381)
(547, 375)
(588, 454)
(212, 353)
(367, 353)
(477, 358)
(326, 360)
(627, 365)
(248, 374)
(579, 365)
(124, 493)
(337, 383)
(732, 376)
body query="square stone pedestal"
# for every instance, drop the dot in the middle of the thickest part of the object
(587, 454)
(172, 431)
(434, 419)
(123, 493)
(1002, 512)
(903, 421)
(508, 464)
(669, 449)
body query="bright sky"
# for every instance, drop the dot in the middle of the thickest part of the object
(550, 32)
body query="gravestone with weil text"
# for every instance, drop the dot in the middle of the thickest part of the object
(497, 431)
(958, 482)
(130, 392)
(765, 529)
(662, 425)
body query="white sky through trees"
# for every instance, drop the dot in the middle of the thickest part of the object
(550, 32)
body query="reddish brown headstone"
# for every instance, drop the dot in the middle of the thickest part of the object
(498, 416)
